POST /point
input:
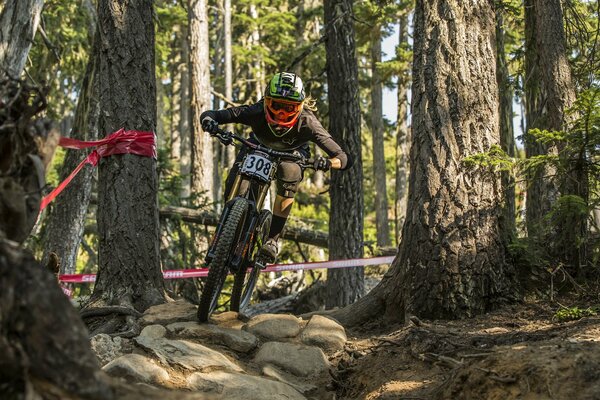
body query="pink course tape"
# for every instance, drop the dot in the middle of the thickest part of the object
(202, 272)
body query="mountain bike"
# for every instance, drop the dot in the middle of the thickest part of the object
(243, 226)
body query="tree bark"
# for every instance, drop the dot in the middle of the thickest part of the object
(66, 220)
(559, 96)
(202, 146)
(344, 286)
(44, 345)
(19, 20)
(451, 261)
(228, 151)
(379, 174)
(402, 136)
(129, 272)
(543, 189)
(185, 166)
(507, 140)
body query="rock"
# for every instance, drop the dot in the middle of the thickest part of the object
(138, 368)
(274, 326)
(301, 360)
(229, 319)
(236, 340)
(154, 331)
(189, 355)
(169, 313)
(273, 372)
(233, 386)
(324, 333)
(106, 348)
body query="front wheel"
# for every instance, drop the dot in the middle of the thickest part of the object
(245, 280)
(219, 267)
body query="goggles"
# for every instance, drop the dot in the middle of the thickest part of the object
(282, 112)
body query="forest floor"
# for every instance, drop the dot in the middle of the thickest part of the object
(518, 352)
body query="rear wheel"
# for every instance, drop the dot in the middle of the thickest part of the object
(245, 280)
(219, 267)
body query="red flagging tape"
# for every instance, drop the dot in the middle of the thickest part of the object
(202, 272)
(120, 142)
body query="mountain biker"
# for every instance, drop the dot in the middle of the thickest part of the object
(283, 120)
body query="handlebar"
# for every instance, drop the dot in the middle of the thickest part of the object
(226, 136)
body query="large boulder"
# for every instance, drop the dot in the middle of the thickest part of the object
(232, 386)
(188, 355)
(235, 339)
(324, 333)
(168, 313)
(274, 326)
(138, 368)
(299, 359)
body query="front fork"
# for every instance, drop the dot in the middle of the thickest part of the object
(241, 250)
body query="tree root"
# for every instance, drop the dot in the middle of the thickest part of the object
(104, 311)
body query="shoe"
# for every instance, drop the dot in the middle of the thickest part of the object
(269, 251)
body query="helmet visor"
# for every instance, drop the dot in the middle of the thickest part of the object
(282, 112)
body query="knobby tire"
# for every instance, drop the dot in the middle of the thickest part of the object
(219, 268)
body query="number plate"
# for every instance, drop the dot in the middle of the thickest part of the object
(258, 166)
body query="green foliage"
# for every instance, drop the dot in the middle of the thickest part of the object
(565, 314)
(495, 159)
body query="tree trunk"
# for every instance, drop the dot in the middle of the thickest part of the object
(451, 261)
(344, 286)
(228, 151)
(66, 220)
(129, 272)
(559, 97)
(379, 174)
(44, 345)
(542, 190)
(19, 20)
(202, 145)
(402, 135)
(185, 166)
(175, 71)
(507, 140)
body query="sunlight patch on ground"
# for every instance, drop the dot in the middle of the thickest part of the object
(397, 388)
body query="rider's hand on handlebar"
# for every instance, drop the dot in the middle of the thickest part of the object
(322, 164)
(210, 125)
(225, 139)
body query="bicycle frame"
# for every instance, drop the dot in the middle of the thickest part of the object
(255, 192)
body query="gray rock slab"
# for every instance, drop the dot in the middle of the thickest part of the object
(274, 326)
(137, 367)
(154, 331)
(189, 355)
(325, 333)
(236, 340)
(299, 359)
(272, 371)
(232, 386)
(168, 313)
(106, 348)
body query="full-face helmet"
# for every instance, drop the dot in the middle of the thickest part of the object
(284, 97)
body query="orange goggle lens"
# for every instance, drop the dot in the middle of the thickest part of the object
(282, 110)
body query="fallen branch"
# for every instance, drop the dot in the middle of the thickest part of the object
(314, 238)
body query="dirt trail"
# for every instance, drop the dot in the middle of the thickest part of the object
(514, 353)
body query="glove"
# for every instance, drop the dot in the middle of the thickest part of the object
(226, 140)
(209, 125)
(322, 164)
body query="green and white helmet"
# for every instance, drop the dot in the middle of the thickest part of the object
(287, 86)
(284, 97)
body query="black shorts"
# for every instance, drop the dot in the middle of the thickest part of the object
(288, 177)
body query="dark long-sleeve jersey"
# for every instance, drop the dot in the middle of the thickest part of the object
(307, 129)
